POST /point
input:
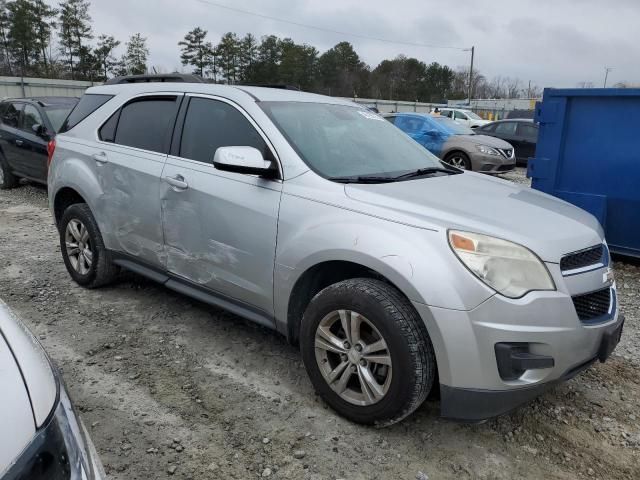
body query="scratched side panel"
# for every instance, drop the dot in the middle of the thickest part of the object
(130, 202)
(221, 231)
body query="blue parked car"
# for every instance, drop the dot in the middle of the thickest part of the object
(455, 143)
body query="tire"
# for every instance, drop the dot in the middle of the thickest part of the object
(381, 311)
(459, 160)
(91, 271)
(7, 179)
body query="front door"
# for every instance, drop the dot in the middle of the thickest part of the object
(220, 227)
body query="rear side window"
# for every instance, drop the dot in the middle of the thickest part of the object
(146, 123)
(86, 106)
(210, 124)
(30, 117)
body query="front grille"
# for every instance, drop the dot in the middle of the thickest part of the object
(506, 168)
(507, 152)
(592, 305)
(583, 258)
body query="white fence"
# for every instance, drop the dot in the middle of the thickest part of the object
(21, 87)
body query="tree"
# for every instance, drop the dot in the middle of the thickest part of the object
(196, 51)
(103, 54)
(342, 73)
(269, 53)
(298, 64)
(43, 16)
(22, 37)
(247, 57)
(75, 29)
(227, 53)
(136, 56)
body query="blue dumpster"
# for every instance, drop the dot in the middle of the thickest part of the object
(588, 153)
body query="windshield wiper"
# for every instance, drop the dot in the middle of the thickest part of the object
(363, 179)
(427, 171)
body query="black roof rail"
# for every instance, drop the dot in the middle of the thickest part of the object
(169, 78)
(281, 86)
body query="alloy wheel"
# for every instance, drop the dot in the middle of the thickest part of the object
(457, 161)
(78, 246)
(353, 357)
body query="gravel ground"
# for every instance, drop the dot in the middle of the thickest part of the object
(171, 388)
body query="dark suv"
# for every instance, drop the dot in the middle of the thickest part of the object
(27, 126)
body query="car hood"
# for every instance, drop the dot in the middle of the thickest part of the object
(479, 203)
(16, 417)
(34, 364)
(486, 140)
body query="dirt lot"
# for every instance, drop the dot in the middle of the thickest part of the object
(171, 388)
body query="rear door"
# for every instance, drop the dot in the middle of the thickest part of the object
(10, 138)
(33, 147)
(220, 227)
(528, 137)
(132, 148)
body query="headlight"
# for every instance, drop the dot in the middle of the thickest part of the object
(508, 268)
(487, 150)
(58, 450)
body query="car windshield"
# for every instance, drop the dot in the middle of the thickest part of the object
(57, 115)
(472, 115)
(451, 126)
(344, 141)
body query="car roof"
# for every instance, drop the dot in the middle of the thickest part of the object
(259, 94)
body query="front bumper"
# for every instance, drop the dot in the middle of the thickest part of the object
(472, 387)
(492, 163)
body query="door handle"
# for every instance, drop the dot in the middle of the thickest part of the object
(177, 181)
(19, 143)
(100, 157)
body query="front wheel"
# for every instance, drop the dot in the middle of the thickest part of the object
(458, 160)
(367, 352)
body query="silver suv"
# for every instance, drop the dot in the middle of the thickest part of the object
(396, 274)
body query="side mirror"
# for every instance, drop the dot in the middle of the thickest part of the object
(38, 129)
(242, 160)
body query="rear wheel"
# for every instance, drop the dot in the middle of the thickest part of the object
(87, 260)
(7, 179)
(367, 352)
(458, 160)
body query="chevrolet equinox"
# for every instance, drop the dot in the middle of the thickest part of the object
(395, 273)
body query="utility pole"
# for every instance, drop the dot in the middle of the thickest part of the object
(471, 75)
(606, 75)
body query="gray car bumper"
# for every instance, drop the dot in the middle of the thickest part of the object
(472, 385)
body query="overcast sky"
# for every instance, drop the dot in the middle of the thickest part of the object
(550, 42)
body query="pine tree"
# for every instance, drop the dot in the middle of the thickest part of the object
(136, 56)
(228, 50)
(75, 29)
(5, 25)
(22, 38)
(196, 51)
(103, 54)
(44, 22)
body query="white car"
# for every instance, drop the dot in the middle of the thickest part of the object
(41, 437)
(463, 116)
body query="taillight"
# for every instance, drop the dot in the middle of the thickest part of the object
(51, 147)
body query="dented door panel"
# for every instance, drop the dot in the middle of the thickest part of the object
(220, 231)
(130, 181)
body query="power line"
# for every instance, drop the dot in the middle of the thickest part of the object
(329, 30)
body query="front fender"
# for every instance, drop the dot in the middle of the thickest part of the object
(417, 261)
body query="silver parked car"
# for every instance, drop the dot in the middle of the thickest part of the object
(41, 436)
(318, 218)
